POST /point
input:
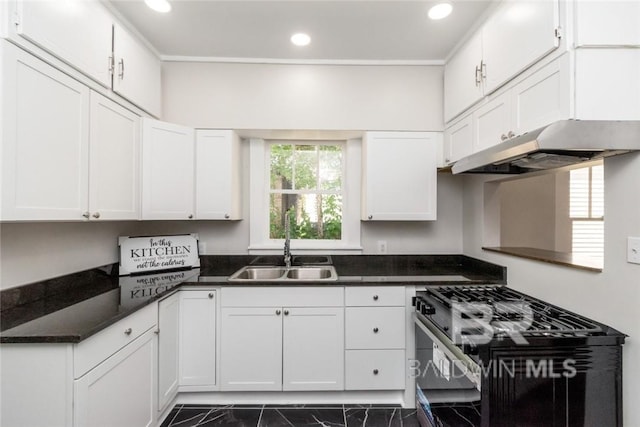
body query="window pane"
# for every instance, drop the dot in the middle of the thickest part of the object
(579, 193)
(588, 238)
(313, 216)
(330, 167)
(306, 166)
(281, 166)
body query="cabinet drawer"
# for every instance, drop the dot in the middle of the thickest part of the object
(374, 296)
(374, 328)
(90, 352)
(374, 370)
(280, 296)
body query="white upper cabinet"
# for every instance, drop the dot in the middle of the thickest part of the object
(167, 171)
(136, 71)
(399, 176)
(491, 122)
(516, 36)
(76, 31)
(607, 23)
(114, 165)
(218, 175)
(462, 78)
(458, 140)
(45, 140)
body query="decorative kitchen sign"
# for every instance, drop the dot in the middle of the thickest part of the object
(156, 253)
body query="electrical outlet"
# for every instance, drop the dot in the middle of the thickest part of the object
(382, 246)
(202, 247)
(633, 250)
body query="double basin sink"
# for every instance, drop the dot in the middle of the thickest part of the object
(303, 273)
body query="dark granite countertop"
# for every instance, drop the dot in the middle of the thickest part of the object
(71, 308)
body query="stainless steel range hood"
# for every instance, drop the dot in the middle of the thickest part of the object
(559, 144)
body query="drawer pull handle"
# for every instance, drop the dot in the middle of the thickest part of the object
(286, 312)
(375, 297)
(128, 331)
(278, 312)
(375, 330)
(210, 294)
(375, 372)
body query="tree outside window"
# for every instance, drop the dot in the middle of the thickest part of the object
(306, 181)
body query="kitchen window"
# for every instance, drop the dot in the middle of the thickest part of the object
(586, 210)
(317, 183)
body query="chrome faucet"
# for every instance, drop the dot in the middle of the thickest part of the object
(287, 241)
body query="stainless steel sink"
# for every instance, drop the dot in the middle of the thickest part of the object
(281, 274)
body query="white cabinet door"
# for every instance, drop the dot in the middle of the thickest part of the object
(313, 349)
(406, 191)
(607, 23)
(45, 142)
(218, 175)
(167, 170)
(136, 71)
(462, 80)
(168, 333)
(121, 390)
(251, 349)
(76, 31)
(114, 162)
(492, 122)
(458, 140)
(516, 36)
(198, 338)
(541, 98)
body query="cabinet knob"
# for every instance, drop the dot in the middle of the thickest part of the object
(190, 216)
(278, 312)
(511, 134)
(157, 332)
(286, 312)
(503, 137)
(227, 216)
(86, 215)
(370, 217)
(375, 297)
(375, 330)
(128, 331)
(375, 372)
(210, 294)
(96, 215)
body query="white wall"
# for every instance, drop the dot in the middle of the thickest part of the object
(276, 96)
(611, 297)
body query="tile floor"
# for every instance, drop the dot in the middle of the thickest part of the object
(295, 415)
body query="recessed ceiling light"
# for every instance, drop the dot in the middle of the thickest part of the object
(440, 10)
(300, 39)
(162, 6)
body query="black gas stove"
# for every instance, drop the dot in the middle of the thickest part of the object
(519, 360)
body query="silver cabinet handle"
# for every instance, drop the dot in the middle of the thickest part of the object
(86, 215)
(96, 215)
(128, 331)
(110, 65)
(375, 330)
(478, 76)
(370, 217)
(483, 69)
(121, 68)
(157, 332)
(503, 137)
(210, 294)
(375, 297)
(511, 134)
(227, 216)
(278, 312)
(375, 372)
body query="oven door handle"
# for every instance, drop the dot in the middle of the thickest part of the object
(467, 365)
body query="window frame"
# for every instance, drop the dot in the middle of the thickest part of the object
(260, 179)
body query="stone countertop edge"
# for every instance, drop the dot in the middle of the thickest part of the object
(473, 276)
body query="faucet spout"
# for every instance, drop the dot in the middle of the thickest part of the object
(287, 241)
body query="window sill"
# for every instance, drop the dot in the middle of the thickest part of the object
(567, 259)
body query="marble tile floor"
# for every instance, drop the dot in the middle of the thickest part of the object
(293, 415)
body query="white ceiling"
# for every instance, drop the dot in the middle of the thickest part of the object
(347, 30)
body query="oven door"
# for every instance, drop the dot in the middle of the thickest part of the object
(444, 374)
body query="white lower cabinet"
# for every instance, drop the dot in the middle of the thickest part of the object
(197, 342)
(168, 328)
(294, 345)
(119, 391)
